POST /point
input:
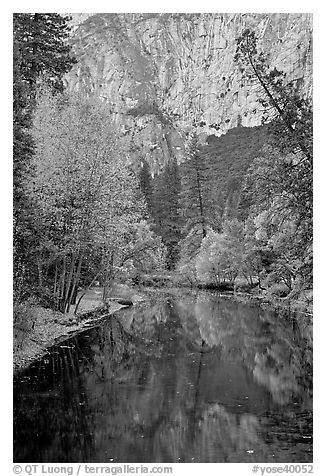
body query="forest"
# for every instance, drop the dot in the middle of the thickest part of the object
(234, 214)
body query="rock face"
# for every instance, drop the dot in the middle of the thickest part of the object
(164, 75)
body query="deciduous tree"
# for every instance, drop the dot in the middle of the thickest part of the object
(87, 197)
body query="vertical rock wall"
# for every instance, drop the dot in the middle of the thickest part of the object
(163, 75)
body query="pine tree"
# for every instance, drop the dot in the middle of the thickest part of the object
(23, 149)
(162, 194)
(45, 54)
(197, 209)
(166, 210)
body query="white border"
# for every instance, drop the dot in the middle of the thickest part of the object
(319, 187)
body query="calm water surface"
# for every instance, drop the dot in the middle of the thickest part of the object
(178, 379)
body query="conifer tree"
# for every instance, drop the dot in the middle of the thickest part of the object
(166, 210)
(197, 208)
(45, 54)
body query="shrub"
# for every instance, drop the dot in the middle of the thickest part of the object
(24, 320)
(185, 274)
(278, 289)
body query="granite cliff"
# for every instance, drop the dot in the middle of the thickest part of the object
(163, 75)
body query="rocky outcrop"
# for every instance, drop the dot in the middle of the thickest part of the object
(163, 75)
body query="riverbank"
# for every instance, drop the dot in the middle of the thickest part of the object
(52, 327)
(303, 305)
(291, 305)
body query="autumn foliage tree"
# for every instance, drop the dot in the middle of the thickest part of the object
(88, 201)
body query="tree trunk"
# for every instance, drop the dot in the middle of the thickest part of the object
(55, 285)
(215, 277)
(68, 282)
(73, 291)
(62, 286)
(108, 276)
(85, 290)
(40, 272)
(279, 110)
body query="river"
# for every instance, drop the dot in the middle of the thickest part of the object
(181, 378)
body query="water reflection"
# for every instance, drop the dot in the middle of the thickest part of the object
(197, 379)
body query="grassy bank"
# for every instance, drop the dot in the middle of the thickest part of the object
(40, 328)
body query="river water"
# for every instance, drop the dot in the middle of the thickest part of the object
(180, 378)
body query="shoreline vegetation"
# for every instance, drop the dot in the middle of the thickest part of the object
(46, 327)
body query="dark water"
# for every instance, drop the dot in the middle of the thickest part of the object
(187, 379)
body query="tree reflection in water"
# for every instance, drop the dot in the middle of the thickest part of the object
(197, 379)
